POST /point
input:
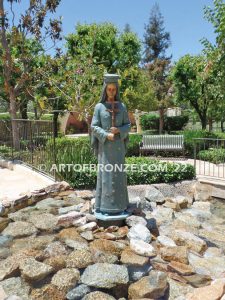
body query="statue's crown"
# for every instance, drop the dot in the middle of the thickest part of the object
(111, 78)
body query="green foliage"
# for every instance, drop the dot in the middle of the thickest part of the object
(133, 146)
(175, 123)
(213, 155)
(151, 122)
(77, 151)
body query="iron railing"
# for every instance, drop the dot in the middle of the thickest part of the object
(209, 157)
(36, 146)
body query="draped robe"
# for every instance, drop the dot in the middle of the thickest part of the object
(111, 189)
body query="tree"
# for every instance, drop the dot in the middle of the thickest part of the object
(195, 83)
(157, 41)
(104, 44)
(216, 56)
(17, 66)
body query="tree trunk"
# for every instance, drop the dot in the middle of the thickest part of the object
(55, 124)
(210, 124)
(23, 109)
(13, 116)
(222, 125)
(204, 122)
(161, 120)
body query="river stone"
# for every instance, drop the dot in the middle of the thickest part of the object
(5, 240)
(67, 220)
(134, 220)
(152, 194)
(71, 234)
(163, 215)
(49, 202)
(16, 286)
(137, 272)
(66, 278)
(182, 269)
(211, 266)
(139, 232)
(79, 259)
(76, 245)
(178, 253)
(9, 267)
(212, 252)
(20, 229)
(178, 290)
(45, 221)
(104, 275)
(47, 292)
(87, 235)
(98, 296)
(65, 210)
(88, 226)
(211, 292)
(193, 242)
(128, 257)
(113, 247)
(142, 248)
(152, 286)
(55, 249)
(33, 270)
(38, 243)
(165, 241)
(78, 292)
(103, 257)
(3, 223)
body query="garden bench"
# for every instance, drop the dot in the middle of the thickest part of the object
(161, 142)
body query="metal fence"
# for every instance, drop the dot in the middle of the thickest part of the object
(36, 146)
(209, 157)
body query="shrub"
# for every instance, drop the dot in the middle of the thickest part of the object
(214, 155)
(149, 122)
(175, 123)
(133, 145)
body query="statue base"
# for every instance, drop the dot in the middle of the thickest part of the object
(111, 217)
(106, 220)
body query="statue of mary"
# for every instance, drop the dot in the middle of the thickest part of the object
(110, 128)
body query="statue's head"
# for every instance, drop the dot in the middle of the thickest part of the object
(110, 87)
(111, 90)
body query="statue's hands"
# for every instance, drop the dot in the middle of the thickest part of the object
(110, 136)
(114, 130)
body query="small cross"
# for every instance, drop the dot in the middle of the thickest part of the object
(113, 111)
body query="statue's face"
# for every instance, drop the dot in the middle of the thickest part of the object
(111, 90)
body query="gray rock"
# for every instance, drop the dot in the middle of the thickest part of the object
(55, 249)
(50, 202)
(20, 229)
(87, 235)
(16, 286)
(78, 292)
(142, 248)
(154, 195)
(136, 273)
(98, 296)
(2, 209)
(178, 290)
(165, 241)
(65, 210)
(5, 240)
(66, 278)
(133, 220)
(163, 215)
(104, 275)
(211, 266)
(76, 245)
(139, 232)
(44, 222)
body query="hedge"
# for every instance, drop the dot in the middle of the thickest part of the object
(214, 155)
(78, 151)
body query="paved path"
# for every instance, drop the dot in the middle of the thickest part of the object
(20, 181)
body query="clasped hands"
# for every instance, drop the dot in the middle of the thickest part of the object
(113, 131)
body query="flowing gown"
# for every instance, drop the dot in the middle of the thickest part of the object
(111, 189)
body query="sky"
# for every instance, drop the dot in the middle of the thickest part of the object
(184, 19)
